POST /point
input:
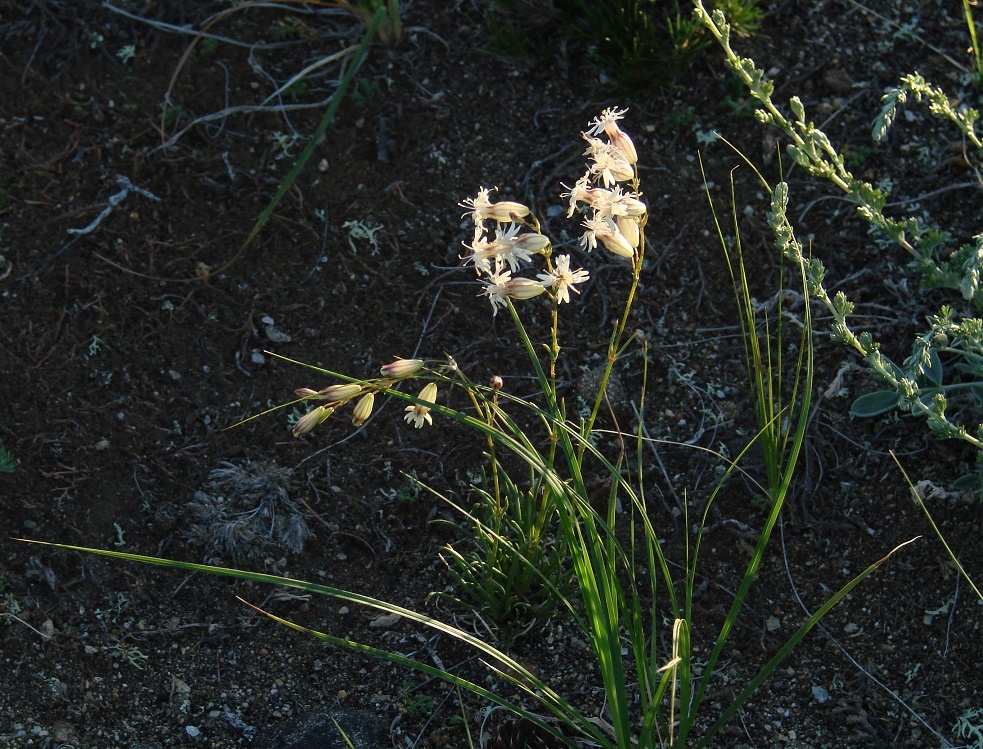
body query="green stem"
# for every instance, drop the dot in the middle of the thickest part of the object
(615, 345)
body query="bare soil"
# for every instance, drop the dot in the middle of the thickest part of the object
(134, 329)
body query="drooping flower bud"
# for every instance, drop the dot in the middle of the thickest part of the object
(311, 419)
(363, 409)
(531, 243)
(629, 229)
(607, 233)
(523, 288)
(340, 393)
(401, 368)
(482, 209)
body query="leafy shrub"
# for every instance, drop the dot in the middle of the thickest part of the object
(942, 379)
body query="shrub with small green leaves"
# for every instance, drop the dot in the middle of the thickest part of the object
(942, 379)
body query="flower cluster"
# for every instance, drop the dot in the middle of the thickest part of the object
(497, 254)
(506, 239)
(336, 396)
(500, 251)
(618, 216)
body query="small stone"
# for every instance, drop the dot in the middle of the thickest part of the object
(820, 694)
(276, 335)
(386, 620)
(838, 81)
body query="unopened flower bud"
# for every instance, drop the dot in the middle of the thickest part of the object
(306, 393)
(340, 393)
(363, 409)
(311, 419)
(504, 211)
(531, 243)
(629, 229)
(402, 368)
(621, 141)
(496, 382)
(523, 288)
(617, 244)
(482, 209)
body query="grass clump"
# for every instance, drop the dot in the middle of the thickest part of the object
(552, 543)
(636, 44)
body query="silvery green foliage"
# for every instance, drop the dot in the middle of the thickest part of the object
(8, 463)
(246, 510)
(950, 396)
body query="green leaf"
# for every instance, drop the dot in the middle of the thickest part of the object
(934, 371)
(8, 463)
(971, 482)
(875, 404)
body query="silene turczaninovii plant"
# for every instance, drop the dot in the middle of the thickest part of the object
(545, 543)
(942, 379)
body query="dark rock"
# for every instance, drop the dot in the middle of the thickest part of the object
(317, 730)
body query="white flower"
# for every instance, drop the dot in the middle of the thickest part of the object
(562, 279)
(496, 289)
(482, 209)
(582, 192)
(609, 162)
(606, 203)
(418, 414)
(608, 124)
(506, 248)
(509, 247)
(482, 251)
(501, 286)
(606, 232)
(514, 248)
(608, 119)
